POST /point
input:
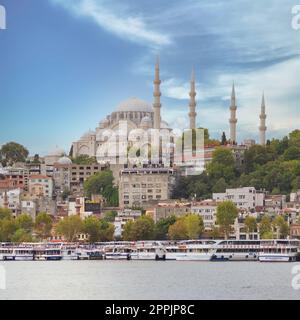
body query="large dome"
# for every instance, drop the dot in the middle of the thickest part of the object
(135, 105)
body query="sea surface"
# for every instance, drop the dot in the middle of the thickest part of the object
(147, 280)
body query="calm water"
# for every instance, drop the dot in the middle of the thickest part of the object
(147, 280)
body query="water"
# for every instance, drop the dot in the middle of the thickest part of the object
(148, 280)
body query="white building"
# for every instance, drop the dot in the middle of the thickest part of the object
(11, 200)
(207, 209)
(244, 198)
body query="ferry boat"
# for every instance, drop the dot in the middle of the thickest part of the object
(47, 254)
(193, 250)
(148, 252)
(89, 254)
(23, 254)
(69, 253)
(278, 250)
(6, 253)
(118, 253)
(236, 250)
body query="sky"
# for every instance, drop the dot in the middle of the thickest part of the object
(66, 64)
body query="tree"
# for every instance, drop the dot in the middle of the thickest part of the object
(220, 186)
(222, 165)
(70, 227)
(25, 222)
(127, 233)
(177, 231)
(91, 226)
(267, 235)
(227, 212)
(13, 152)
(281, 227)
(292, 153)
(21, 235)
(7, 229)
(43, 225)
(107, 231)
(223, 139)
(5, 213)
(162, 226)
(194, 226)
(84, 160)
(36, 159)
(143, 228)
(102, 183)
(250, 224)
(109, 216)
(265, 227)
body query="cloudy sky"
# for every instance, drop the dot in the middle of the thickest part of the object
(66, 64)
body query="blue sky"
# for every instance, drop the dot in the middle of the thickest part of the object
(66, 64)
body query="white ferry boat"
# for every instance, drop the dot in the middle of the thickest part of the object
(69, 254)
(237, 250)
(278, 250)
(148, 252)
(6, 253)
(193, 250)
(47, 254)
(118, 253)
(23, 254)
(89, 254)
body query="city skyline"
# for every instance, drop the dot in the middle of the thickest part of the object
(54, 87)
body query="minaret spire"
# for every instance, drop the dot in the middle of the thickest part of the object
(262, 127)
(157, 95)
(192, 113)
(233, 119)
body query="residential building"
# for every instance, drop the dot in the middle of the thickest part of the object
(12, 200)
(244, 198)
(40, 186)
(207, 209)
(141, 185)
(122, 218)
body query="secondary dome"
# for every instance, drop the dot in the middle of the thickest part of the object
(65, 161)
(135, 105)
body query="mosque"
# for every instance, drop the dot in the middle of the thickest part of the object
(139, 114)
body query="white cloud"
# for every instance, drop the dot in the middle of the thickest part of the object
(124, 25)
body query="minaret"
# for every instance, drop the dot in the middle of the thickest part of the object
(262, 127)
(157, 95)
(193, 103)
(233, 119)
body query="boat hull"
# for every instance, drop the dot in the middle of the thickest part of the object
(276, 258)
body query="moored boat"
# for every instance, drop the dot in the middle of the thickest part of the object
(278, 251)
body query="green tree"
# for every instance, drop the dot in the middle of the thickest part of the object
(21, 235)
(109, 216)
(223, 139)
(267, 235)
(178, 231)
(220, 186)
(102, 184)
(194, 226)
(265, 227)
(43, 225)
(70, 227)
(107, 231)
(162, 227)
(222, 165)
(84, 160)
(7, 229)
(143, 228)
(292, 153)
(281, 227)
(5, 213)
(25, 222)
(127, 233)
(227, 212)
(91, 226)
(250, 224)
(13, 152)
(65, 194)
